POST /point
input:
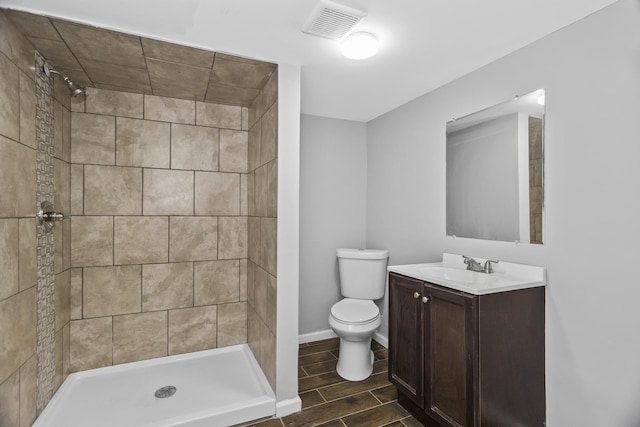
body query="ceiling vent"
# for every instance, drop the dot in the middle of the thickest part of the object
(332, 20)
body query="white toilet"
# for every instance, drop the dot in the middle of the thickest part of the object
(354, 319)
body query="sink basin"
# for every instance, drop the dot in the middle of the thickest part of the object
(452, 273)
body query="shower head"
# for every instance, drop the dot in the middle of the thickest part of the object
(74, 88)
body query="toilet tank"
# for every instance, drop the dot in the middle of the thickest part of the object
(363, 272)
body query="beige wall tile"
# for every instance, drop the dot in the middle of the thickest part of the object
(218, 115)
(18, 334)
(216, 282)
(269, 135)
(10, 94)
(233, 150)
(168, 192)
(91, 241)
(17, 179)
(15, 46)
(28, 373)
(139, 336)
(66, 350)
(62, 299)
(101, 45)
(93, 139)
(251, 283)
(194, 147)
(169, 109)
(240, 73)
(91, 343)
(232, 324)
(243, 279)
(272, 188)
(108, 291)
(192, 329)
(251, 194)
(9, 257)
(193, 238)
(112, 190)
(66, 135)
(167, 286)
(116, 77)
(66, 244)
(142, 143)
(217, 193)
(60, 90)
(245, 118)
(77, 189)
(230, 95)
(272, 303)
(28, 268)
(191, 84)
(260, 292)
(244, 194)
(141, 240)
(61, 186)
(254, 239)
(58, 148)
(261, 193)
(27, 111)
(10, 401)
(232, 237)
(58, 354)
(177, 53)
(75, 298)
(58, 249)
(108, 102)
(253, 333)
(269, 242)
(253, 151)
(268, 363)
(270, 90)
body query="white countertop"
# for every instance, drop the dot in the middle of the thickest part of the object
(452, 273)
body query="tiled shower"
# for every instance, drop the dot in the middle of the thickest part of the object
(169, 245)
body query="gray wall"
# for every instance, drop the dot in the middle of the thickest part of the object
(591, 71)
(333, 174)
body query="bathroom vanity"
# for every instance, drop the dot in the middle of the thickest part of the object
(467, 348)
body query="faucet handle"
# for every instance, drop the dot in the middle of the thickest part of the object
(488, 268)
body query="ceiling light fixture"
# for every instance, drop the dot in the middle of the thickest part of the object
(359, 45)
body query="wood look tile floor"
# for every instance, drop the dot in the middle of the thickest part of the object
(330, 401)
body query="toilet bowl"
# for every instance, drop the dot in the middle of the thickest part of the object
(355, 321)
(356, 317)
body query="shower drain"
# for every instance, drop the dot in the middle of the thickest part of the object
(166, 391)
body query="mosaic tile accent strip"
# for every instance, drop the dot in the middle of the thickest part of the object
(45, 348)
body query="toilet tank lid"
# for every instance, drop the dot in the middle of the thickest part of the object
(363, 253)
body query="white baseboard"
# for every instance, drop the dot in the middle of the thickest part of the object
(381, 339)
(288, 406)
(316, 336)
(328, 333)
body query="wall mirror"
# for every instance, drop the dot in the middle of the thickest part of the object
(495, 172)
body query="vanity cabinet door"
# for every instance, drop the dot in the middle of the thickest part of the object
(450, 351)
(405, 336)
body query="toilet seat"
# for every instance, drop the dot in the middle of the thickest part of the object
(355, 311)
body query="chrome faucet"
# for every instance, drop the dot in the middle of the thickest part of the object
(474, 265)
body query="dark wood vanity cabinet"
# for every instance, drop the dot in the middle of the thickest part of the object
(467, 360)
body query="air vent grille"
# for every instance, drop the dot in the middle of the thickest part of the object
(332, 20)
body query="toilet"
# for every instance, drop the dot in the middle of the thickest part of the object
(356, 317)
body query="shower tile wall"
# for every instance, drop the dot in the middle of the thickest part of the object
(18, 361)
(262, 205)
(159, 227)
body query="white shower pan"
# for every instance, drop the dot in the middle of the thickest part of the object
(219, 387)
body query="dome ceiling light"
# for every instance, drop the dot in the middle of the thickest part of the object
(360, 45)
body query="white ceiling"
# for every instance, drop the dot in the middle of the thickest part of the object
(423, 44)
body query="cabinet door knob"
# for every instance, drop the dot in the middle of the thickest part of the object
(425, 299)
(416, 295)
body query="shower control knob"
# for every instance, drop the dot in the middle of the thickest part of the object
(425, 300)
(416, 295)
